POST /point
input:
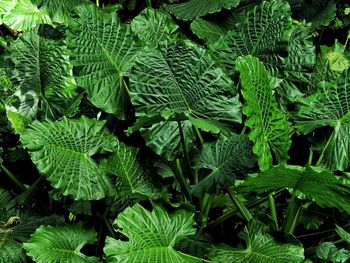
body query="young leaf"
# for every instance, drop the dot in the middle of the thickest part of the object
(269, 127)
(330, 191)
(151, 236)
(197, 8)
(153, 27)
(63, 151)
(261, 248)
(260, 34)
(225, 159)
(60, 244)
(343, 234)
(102, 50)
(42, 77)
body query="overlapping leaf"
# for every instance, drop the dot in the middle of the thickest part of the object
(269, 127)
(63, 151)
(41, 77)
(207, 30)
(102, 50)
(197, 8)
(151, 236)
(60, 244)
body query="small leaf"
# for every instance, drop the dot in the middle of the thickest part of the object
(329, 252)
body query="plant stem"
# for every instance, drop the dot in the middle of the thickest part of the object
(244, 130)
(311, 155)
(187, 159)
(273, 211)
(110, 228)
(98, 3)
(125, 85)
(324, 149)
(200, 137)
(13, 177)
(185, 188)
(240, 206)
(292, 216)
(205, 208)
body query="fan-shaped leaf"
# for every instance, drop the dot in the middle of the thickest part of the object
(330, 192)
(153, 26)
(60, 244)
(152, 236)
(260, 34)
(329, 106)
(63, 150)
(102, 50)
(269, 127)
(42, 77)
(225, 159)
(261, 248)
(25, 15)
(197, 8)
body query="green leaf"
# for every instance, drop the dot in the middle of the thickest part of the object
(60, 244)
(260, 248)
(42, 77)
(343, 234)
(207, 30)
(330, 191)
(151, 236)
(25, 16)
(269, 127)
(153, 27)
(197, 8)
(329, 252)
(63, 151)
(11, 251)
(162, 81)
(260, 34)
(225, 159)
(6, 6)
(102, 50)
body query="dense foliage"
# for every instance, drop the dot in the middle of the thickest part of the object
(168, 131)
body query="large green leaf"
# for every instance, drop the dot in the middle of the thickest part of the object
(260, 248)
(102, 50)
(153, 26)
(11, 251)
(25, 15)
(225, 159)
(207, 30)
(151, 236)
(269, 127)
(261, 33)
(63, 151)
(329, 106)
(197, 8)
(60, 244)
(163, 81)
(321, 186)
(42, 77)
(6, 6)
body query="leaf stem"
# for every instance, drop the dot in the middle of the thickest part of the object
(187, 159)
(324, 149)
(185, 188)
(98, 3)
(110, 228)
(311, 155)
(13, 177)
(200, 137)
(205, 208)
(125, 85)
(292, 216)
(240, 206)
(273, 211)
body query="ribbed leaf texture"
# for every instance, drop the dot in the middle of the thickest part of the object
(63, 151)
(207, 30)
(343, 234)
(42, 77)
(6, 6)
(329, 105)
(321, 186)
(154, 26)
(60, 244)
(25, 15)
(151, 236)
(225, 159)
(260, 33)
(102, 50)
(182, 79)
(261, 248)
(132, 178)
(269, 127)
(197, 8)
(11, 251)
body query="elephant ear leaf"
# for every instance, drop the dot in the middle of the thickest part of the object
(61, 243)
(63, 151)
(269, 129)
(196, 8)
(329, 106)
(151, 236)
(102, 50)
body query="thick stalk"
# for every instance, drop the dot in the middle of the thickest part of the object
(185, 188)
(273, 211)
(324, 149)
(240, 206)
(292, 216)
(13, 177)
(187, 159)
(205, 208)
(98, 3)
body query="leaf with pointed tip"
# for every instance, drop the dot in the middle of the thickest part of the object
(330, 253)
(60, 244)
(330, 191)
(102, 50)
(343, 234)
(225, 159)
(269, 127)
(151, 236)
(197, 8)
(153, 27)
(63, 151)
(207, 30)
